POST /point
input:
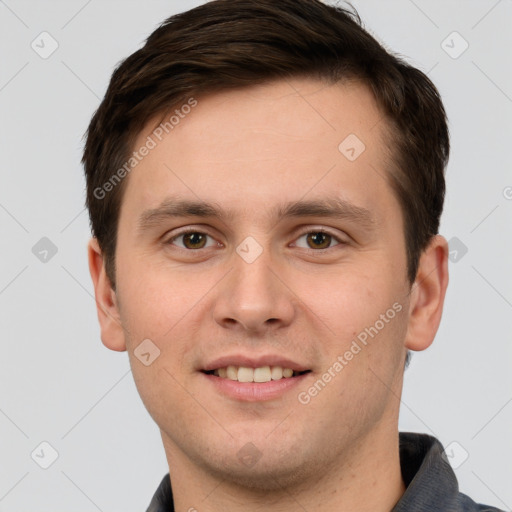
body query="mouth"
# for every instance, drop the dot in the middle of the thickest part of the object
(261, 374)
(254, 378)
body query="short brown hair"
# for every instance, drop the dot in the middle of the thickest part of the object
(229, 44)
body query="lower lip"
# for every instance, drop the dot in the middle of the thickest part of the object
(254, 391)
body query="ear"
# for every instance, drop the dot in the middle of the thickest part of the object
(427, 295)
(112, 334)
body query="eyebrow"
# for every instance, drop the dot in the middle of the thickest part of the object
(336, 208)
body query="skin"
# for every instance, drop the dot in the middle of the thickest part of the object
(248, 151)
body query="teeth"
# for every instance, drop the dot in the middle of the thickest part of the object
(246, 374)
(262, 374)
(287, 372)
(231, 373)
(276, 373)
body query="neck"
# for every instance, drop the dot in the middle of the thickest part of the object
(368, 478)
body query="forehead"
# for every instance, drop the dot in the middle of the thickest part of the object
(267, 144)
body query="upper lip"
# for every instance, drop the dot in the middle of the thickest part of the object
(254, 362)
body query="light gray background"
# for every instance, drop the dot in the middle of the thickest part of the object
(57, 381)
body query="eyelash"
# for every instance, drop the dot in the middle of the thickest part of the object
(319, 230)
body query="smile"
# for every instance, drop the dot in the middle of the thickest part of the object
(261, 374)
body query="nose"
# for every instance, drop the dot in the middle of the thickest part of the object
(254, 297)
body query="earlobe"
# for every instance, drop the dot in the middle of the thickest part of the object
(427, 295)
(112, 334)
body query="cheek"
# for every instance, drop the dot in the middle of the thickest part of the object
(365, 318)
(169, 308)
(347, 300)
(154, 300)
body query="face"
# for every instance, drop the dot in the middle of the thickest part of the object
(258, 235)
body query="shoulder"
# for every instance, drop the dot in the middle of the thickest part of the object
(468, 505)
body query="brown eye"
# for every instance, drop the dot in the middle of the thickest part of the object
(318, 240)
(194, 240)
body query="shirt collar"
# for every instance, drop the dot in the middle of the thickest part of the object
(429, 479)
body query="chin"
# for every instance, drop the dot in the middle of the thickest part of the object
(264, 476)
(279, 465)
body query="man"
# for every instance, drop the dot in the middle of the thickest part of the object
(265, 184)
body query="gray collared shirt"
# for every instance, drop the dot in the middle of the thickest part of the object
(431, 485)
